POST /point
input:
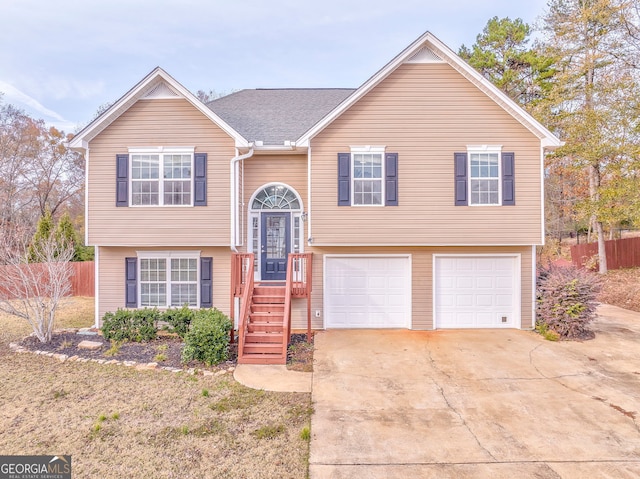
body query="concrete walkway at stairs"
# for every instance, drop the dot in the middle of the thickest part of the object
(477, 403)
(272, 378)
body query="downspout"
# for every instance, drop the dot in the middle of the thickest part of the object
(309, 237)
(234, 194)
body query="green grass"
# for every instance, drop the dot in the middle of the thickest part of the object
(150, 424)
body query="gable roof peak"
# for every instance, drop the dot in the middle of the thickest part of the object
(427, 48)
(157, 84)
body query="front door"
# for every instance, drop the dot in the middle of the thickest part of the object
(275, 241)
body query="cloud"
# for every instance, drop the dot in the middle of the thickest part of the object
(15, 96)
(34, 108)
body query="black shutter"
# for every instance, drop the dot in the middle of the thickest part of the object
(122, 180)
(206, 282)
(508, 179)
(131, 282)
(344, 179)
(460, 160)
(200, 179)
(391, 174)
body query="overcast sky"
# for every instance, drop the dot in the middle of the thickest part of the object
(60, 60)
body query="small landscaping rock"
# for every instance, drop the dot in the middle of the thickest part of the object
(60, 357)
(147, 366)
(220, 373)
(90, 345)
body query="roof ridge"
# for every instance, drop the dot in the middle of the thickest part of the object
(305, 88)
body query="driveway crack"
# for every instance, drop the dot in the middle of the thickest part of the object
(451, 407)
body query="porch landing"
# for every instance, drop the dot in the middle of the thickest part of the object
(272, 377)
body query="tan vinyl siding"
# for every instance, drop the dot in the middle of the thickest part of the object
(421, 280)
(111, 275)
(152, 123)
(258, 171)
(425, 113)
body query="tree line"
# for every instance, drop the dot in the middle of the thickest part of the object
(576, 71)
(41, 179)
(580, 78)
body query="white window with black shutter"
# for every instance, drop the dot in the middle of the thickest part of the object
(168, 279)
(161, 176)
(484, 176)
(368, 176)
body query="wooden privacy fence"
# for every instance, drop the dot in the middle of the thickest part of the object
(82, 278)
(622, 253)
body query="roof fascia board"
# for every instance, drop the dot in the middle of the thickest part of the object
(506, 103)
(128, 99)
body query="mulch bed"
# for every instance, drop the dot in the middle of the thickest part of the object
(299, 358)
(165, 350)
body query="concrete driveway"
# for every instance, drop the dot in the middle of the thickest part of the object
(477, 404)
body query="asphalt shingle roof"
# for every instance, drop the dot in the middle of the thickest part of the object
(277, 115)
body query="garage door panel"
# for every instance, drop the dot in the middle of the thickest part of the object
(476, 291)
(485, 320)
(505, 282)
(464, 282)
(373, 292)
(484, 282)
(504, 300)
(464, 300)
(484, 300)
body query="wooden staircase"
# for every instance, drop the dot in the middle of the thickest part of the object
(265, 341)
(264, 323)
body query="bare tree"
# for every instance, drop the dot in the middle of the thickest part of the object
(37, 170)
(33, 289)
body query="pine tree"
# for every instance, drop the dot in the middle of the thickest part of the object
(502, 54)
(65, 232)
(44, 230)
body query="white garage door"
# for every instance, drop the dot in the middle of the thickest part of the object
(476, 292)
(367, 291)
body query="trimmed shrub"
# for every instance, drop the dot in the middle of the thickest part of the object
(566, 301)
(179, 320)
(208, 337)
(131, 325)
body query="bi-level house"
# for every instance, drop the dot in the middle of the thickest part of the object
(414, 201)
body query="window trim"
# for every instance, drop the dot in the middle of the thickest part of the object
(168, 256)
(381, 150)
(479, 149)
(161, 151)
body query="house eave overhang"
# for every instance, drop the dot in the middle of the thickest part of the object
(548, 139)
(81, 140)
(288, 148)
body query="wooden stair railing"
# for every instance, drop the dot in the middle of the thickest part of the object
(301, 266)
(241, 271)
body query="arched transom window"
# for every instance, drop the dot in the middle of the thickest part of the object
(276, 197)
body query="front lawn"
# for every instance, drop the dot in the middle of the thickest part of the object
(118, 422)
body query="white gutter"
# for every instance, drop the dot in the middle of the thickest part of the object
(234, 194)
